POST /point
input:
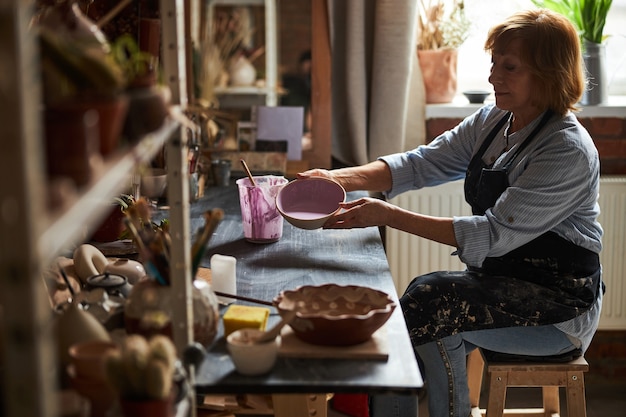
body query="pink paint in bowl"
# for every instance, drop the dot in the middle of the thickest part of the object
(308, 203)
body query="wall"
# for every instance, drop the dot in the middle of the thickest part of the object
(609, 135)
(294, 32)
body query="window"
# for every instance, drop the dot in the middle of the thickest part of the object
(474, 63)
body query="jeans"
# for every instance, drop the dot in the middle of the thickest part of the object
(445, 361)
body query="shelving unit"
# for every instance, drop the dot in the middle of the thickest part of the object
(241, 97)
(31, 236)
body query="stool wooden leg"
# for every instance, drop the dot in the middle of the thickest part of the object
(575, 392)
(498, 382)
(475, 368)
(551, 403)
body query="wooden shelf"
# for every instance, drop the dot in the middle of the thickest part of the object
(31, 235)
(242, 97)
(71, 223)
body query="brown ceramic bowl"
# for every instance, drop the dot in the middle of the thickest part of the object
(335, 315)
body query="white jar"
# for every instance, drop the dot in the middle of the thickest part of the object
(132, 270)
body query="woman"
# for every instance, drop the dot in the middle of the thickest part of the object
(532, 284)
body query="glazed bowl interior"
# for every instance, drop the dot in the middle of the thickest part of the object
(332, 314)
(308, 203)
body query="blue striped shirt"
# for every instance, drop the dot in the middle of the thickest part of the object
(554, 186)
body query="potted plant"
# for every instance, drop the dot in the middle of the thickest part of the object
(142, 372)
(589, 18)
(440, 33)
(80, 74)
(112, 227)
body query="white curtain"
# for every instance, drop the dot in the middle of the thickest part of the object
(378, 97)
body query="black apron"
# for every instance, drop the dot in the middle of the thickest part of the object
(546, 281)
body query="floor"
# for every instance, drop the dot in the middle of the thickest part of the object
(606, 397)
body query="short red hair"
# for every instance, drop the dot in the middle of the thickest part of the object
(551, 49)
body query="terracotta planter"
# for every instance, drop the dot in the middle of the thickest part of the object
(439, 71)
(112, 115)
(150, 36)
(79, 132)
(147, 112)
(111, 227)
(71, 142)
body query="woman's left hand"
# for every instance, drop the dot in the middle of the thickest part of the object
(364, 212)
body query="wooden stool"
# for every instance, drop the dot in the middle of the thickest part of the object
(547, 375)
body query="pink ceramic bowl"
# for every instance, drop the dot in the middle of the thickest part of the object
(332, 314)
(308, 203)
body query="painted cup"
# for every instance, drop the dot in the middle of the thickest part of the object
(262, 223)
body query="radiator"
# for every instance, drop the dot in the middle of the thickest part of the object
(410, 256)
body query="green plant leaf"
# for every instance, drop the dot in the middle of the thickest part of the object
(587, 16)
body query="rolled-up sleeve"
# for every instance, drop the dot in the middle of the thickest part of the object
(553, 186)
(472, 235)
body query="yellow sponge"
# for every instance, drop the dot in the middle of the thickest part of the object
(239, 317)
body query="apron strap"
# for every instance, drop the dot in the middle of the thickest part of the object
(529, 138)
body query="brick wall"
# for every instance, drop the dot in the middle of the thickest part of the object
(609, 135)
(294, 32)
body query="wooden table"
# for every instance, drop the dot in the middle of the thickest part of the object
(304, 257)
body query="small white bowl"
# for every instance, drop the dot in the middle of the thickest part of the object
(252, 358)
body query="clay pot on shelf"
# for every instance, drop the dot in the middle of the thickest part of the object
(150, 35)
(72, 143)
(112, 113)
(79, 132)
(147, 111)
(111, 227)
(241, 72)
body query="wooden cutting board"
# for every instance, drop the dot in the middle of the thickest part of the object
(375, 348)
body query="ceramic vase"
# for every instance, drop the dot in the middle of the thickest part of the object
(242, 72)
(594, 57)
(439, 72)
